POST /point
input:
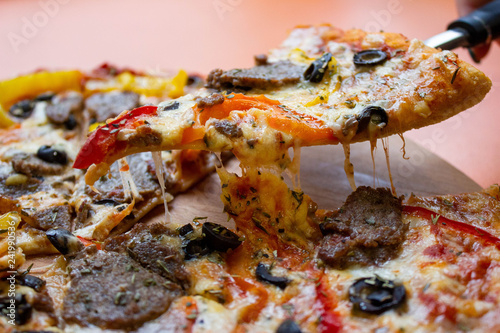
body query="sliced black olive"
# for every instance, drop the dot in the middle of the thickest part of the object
(45, 97)
(22, 109)
(71, 122)
(172, 106)
(369, 57)
(373, 114)
(194, 79)
(185, 229)
(219, 237)
(64, 241)
(50, 155)
(195, 248)
(20, 312)
(376, 295)
(326, 226)
(288, 326)
(30, 281)
(262, 273)
(317, 69)
(107, 202)
(323, 229)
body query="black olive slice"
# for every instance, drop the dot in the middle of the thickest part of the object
(185, 229)
(30, 281)
(219, 237)
(194, 79)
(64, 241)
(71, 122)
(323, 229)
(376, 295)
(373, 114)
(45, 97)
(262, 273)
(22, 109)
(172, 106)
(369, 57)
(195, 248)
(22, 309)
(51, 155)
(317, 69)
(288, 326)
(107, 202)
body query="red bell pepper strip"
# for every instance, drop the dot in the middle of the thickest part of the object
(87, 242)
(330, 320)
(103, 141)
(439, 220)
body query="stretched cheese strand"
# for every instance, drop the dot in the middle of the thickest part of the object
(293, 169)
(348, 167)
(385, 145)
(129, 187)
(219, 157)
(159, 168)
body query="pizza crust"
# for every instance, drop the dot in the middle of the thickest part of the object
(445, 86)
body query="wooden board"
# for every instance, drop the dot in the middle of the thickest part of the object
(323, 178)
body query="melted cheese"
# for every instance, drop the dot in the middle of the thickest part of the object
(385, 145)
(161, 180)
(348, 166)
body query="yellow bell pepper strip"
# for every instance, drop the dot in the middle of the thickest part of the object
(31, 85)
(150, 86)
(9, 220)
(5, 121)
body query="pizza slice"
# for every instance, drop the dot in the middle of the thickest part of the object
(321, 86)
(49, 114)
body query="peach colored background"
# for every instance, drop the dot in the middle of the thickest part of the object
(199, 35)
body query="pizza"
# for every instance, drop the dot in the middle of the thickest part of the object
(379, 263)
(51, 114)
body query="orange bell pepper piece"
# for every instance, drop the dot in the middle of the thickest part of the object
(310, 130)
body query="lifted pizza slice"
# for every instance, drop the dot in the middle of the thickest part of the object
(322, 86)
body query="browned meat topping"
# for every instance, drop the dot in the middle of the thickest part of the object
(211, 100)
(368, 229)
(195, 81)
(102, 106)
(63, 106)
(45, 219)
(264, 76)
(31, 165)
(112, 291)
(43, 302)
(145, 136)
(10, 193)
(228, 128)
(150, 247)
